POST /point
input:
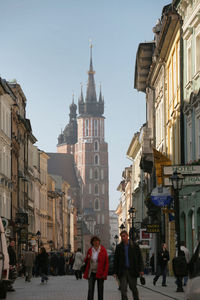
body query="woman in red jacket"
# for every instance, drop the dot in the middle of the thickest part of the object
(96, 268)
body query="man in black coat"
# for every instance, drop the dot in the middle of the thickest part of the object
(12, 265)
(128, 265)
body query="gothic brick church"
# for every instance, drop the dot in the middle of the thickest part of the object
(83, 137)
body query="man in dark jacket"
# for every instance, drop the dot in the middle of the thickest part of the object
(128, 265)
(162, 261)
(12, 265)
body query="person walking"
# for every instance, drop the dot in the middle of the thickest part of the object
(43, 263)
(128, 265)
(162, 262)
(12, 266)
(78, 262)
(152, 264)
(187, 257)
(29, 259)
(96, 262)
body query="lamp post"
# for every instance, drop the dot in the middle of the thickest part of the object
(116, 238)
(132, 215)
(177, 183)
(122, 227)
(38, 234)
(51, 244)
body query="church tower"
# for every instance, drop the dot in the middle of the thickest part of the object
(91, 157)
(68, 138)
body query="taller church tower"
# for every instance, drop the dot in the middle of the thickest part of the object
(91, 156)
(84, 138)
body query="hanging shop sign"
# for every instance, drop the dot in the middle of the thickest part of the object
(188, 180)
(161, 196)
(153, 228)
(184, 170)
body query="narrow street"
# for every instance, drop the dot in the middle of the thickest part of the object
(67, 287)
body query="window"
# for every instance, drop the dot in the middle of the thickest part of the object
(170, 84)
(198, 53)
(96, 174)
(98, 219)
(178, 64)
(90, 188)
(95, 127)
(96, 189)
(96, 204)
(189, 141)
(189, 64)
(96, 146)
(174, 73)
(103, 188)
(198, 137)
(90, 173)
(96, 159)
(102, 174)
(103, 219)
(86, 127)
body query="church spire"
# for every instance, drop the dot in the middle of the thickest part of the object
(100, 95)
(91, 92)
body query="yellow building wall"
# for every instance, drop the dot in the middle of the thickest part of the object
(173, 99)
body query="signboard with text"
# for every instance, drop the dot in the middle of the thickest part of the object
(188, 180)
(153, 228)
(184, 170)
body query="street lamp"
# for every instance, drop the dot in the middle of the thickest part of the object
(122, 227)
(177, 183)
(132, 215)
(51, 244)
(116, 238)
(38, 234)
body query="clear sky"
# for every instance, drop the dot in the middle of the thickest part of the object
(45, 47)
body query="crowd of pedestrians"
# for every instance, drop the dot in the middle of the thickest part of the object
(128, 265)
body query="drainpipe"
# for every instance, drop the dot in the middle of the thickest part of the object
(181, 99)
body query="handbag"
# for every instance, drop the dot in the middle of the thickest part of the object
(83, 267)
(142, 280)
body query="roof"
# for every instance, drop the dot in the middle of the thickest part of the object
(142, 65)
(63, 165)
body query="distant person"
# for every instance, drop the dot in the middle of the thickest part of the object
(61, 264)
(12, 266)
(29, 259)
(187, 257)
(43, 263)
(152, 262)
(78, 262)
(128, 265)
(162, 262)
(54, 264)
(96, 268)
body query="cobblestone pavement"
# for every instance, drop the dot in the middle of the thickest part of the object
(67, 287)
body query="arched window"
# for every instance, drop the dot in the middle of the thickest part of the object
(95, 127)
(103, 188)
(96, 204)
(102, 174)
(86, 127)
(96, 189)
(90, 173)
(96, 174)
(96, 159)
(96, 146)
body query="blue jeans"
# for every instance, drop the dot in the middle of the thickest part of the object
(161, 270)
(44, 277)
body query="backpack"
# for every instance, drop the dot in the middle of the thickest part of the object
(179, 264)
(194, 264)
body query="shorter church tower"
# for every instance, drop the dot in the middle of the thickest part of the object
(68, 138)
